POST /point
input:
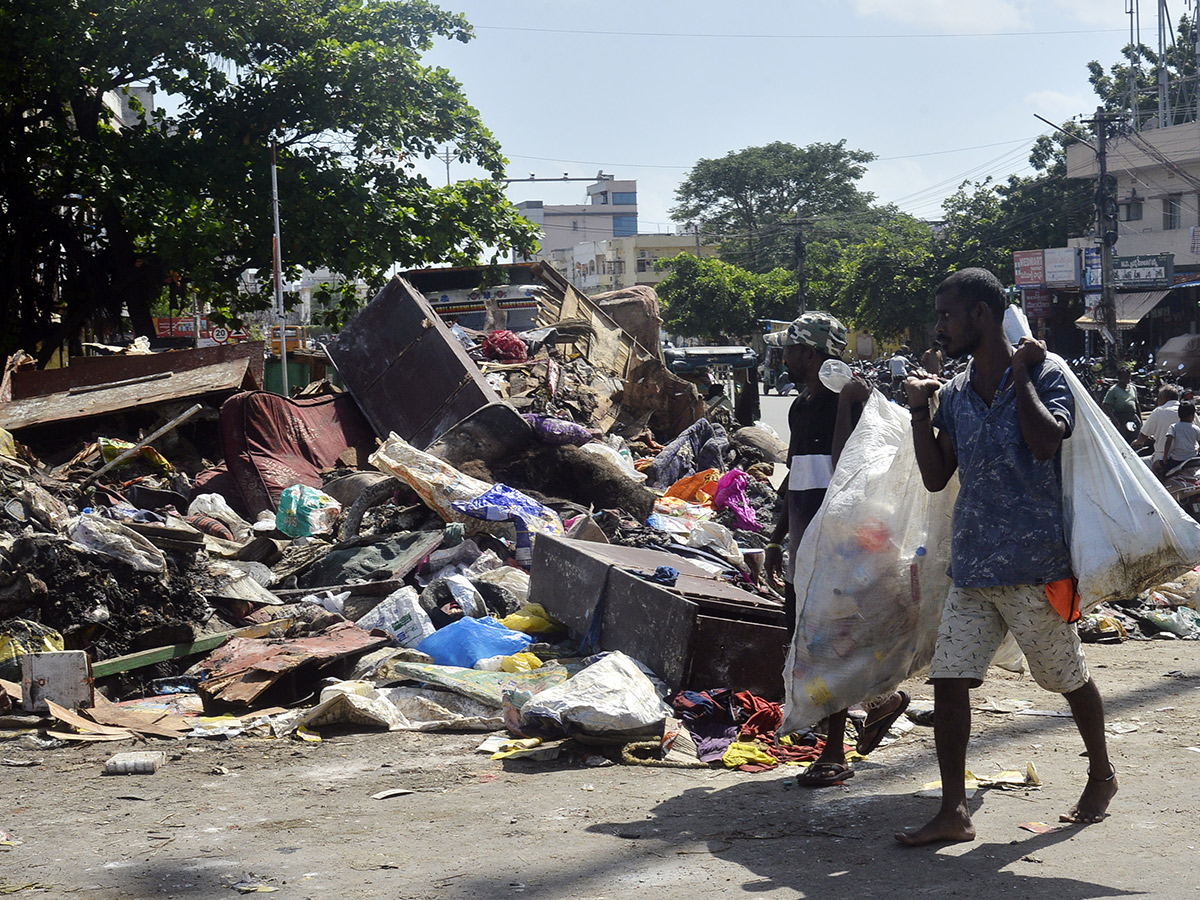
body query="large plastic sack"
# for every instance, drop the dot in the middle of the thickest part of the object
(466, 641)
(731, 494)
(304, 511)
(501, 503)
(719, 539)
(401, 615)
(870, 573)
(1125, 531)
(436, 482)
(112, 539)
(611, 697)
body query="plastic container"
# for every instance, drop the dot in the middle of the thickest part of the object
(143, 762)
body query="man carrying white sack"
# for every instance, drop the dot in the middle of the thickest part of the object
(1001, 425)
(820, 422)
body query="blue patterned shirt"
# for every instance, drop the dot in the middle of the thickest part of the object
(1008, 519)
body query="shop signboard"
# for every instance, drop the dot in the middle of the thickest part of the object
(1061, 267)
(1030, 268)
(1146, 272)
(1036, 302)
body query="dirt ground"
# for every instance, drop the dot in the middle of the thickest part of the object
(299, 818)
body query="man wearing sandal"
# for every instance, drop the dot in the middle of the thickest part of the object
(1000, 425)
(820, 422)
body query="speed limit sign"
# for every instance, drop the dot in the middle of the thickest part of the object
(220, 335)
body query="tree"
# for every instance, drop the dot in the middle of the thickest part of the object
(749, 199)
(887, 281)
(717, 301)
(97, 216)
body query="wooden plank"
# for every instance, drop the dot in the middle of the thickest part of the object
(143, 658)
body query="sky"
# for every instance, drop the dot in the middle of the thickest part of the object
(941, 91)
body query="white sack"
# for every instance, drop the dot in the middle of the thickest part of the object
(870, 573)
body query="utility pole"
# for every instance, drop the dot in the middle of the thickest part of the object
(801, 277)
(445, 156)
(1106, 231)
(277, 271)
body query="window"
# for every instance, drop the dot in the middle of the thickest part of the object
(645, 265)
(575, 225)
(624, 226)
(1172, 211)
(1131, 210)
(624, 198)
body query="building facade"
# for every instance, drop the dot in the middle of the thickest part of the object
(595, 267)
(611, 212)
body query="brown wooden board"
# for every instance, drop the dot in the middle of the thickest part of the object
(405, 368)
(94, 371)
(221, 377)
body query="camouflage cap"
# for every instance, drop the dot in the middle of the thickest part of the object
(815, 329)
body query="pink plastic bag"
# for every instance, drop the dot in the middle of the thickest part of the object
(731, 494)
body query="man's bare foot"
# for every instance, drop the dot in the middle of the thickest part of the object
(947, 827)
(1093, 802)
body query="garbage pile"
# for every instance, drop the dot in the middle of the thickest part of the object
(541, 533)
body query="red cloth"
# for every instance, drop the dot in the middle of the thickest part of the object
(762, 717)
(505, 347)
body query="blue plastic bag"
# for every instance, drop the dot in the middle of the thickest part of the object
(466, 641)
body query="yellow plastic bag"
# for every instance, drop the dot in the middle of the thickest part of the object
(520, 662)
(21, 637)
(531, 618)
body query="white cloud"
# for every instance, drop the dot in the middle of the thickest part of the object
(974, 16)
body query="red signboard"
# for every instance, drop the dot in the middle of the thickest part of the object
(1030, 268)
(1037, 303)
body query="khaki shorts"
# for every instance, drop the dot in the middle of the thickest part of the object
(973, 625)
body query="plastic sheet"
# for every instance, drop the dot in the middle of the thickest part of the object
(466, 641)
(611, 697)
(113, 539)
(501, 503)
(401, 615)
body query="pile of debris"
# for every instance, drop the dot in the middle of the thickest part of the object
(546, 532)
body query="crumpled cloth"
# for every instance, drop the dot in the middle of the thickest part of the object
(702, 446)
(504, 346)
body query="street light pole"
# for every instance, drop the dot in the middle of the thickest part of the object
(277, 266)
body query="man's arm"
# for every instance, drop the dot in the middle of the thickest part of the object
(1043, 431)
(850, 407)
(935, 453)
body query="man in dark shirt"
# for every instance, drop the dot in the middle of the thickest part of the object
(1000, 425)
(820, 422)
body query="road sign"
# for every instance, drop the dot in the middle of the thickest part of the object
(220, 335)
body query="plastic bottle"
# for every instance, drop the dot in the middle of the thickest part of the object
(136, 763)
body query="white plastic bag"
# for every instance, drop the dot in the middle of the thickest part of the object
(870, 573)
(1125, 530)
(401, 615)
